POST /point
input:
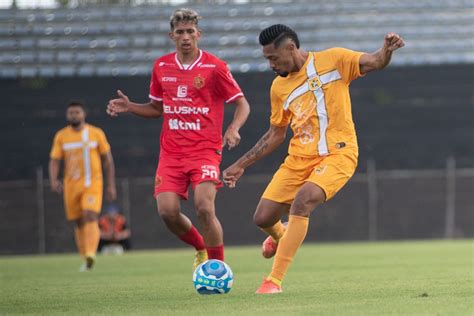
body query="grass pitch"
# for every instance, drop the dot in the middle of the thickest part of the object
(397, 278)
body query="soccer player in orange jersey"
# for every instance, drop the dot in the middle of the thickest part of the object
(311, 93)
(83, 148)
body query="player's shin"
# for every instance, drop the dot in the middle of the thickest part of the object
(79, 237)
(276, 231)
(213, 238)
(288, 246)
(193, 238)
(91, 238)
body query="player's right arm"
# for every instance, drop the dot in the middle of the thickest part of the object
(267, 143)
(55, 157)
(54, 166)
(152, 109)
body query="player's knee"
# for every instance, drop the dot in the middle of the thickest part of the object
(169, 215)
(79, 222)
(89, 216)
(204, 211)
(261, 220)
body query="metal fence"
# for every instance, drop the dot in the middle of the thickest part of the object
(376, 205)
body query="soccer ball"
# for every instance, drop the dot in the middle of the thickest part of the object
(213, 277)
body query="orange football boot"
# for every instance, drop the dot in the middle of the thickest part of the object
(268, 287)
(269, 247)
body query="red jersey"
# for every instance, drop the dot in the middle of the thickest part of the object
(193, 98)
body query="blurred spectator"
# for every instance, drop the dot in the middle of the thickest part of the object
(114, 233)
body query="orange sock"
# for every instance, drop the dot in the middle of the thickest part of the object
(91, 238)
(276, 231)
(79, 236)
(287, 247)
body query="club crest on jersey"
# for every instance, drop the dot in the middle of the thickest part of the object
(199, 82)
(314, 83)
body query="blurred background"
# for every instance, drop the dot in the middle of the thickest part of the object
(414, 119)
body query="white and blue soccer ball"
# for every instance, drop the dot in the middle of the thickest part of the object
(213, 277)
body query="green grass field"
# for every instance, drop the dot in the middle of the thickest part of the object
(398, 278)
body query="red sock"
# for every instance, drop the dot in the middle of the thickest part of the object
(193, 238)
(216, 252)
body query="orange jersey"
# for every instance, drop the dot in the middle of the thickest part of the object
(109, 225)
(81, 151)
(317, 103)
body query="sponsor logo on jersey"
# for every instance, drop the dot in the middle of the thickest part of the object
(182, 91)
(199, 82)
(169, 79)
(176, 124)
(169, 109)
(162, 63)
(201, 65)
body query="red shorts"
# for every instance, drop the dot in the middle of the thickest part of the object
(174, 174)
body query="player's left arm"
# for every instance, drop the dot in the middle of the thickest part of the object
(109, 166)
(241, 113)
(381, 58)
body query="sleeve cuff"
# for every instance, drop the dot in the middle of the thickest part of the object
(233, 98)
(357, 60)
(155, 98)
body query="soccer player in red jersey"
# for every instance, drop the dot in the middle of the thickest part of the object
(188, 89)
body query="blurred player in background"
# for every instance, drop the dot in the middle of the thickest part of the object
(82, 147)
(188, 88)
(311, 93)
(114, 231)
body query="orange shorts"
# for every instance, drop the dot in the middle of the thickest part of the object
(330, 173)
(78, 199)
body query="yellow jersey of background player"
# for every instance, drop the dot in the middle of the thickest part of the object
(82, 147)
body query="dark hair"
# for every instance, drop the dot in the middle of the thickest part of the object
(276, 34)
(76, 103)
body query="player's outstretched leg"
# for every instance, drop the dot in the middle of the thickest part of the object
(204, 199)
(268, 218)
(179, 224)
(288, 245)
(307, 198)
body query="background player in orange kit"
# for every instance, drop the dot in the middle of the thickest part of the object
(82, 147)
(311, 93)
(188, 88)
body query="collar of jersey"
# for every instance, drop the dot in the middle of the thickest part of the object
(191, 66)
(302, 69)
